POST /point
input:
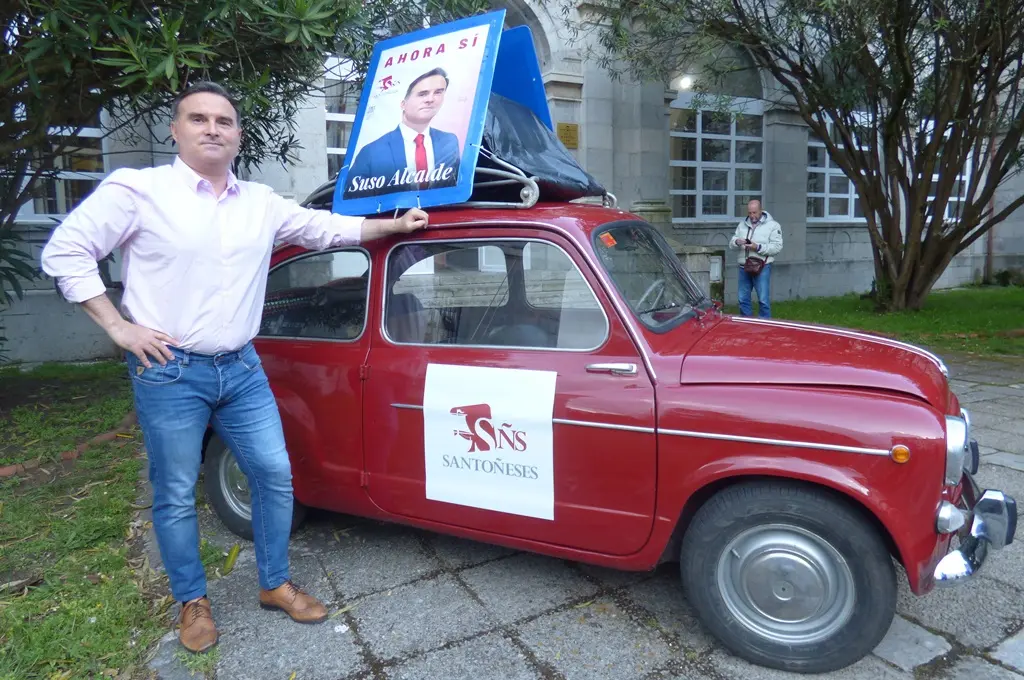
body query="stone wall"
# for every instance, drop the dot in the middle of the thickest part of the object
(43, 326)
(1008, 236)
(544, 289)
(838, 261)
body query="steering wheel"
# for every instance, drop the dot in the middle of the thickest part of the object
(660, 286)
(518, 335)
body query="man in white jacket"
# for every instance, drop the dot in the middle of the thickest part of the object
(759, 239)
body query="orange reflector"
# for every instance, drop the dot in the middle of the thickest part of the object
(900, 453)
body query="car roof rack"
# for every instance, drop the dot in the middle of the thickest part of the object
(520, 162)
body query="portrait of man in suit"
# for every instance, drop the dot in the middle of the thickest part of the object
(414, 155)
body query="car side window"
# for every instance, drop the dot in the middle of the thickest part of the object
(555, 287)
(318, 296)
(490, 293)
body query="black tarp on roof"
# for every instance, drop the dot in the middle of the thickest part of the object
(514, 134)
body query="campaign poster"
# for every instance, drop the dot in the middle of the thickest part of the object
(420, 120)
(488, 438)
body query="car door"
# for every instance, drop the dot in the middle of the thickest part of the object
(504, 396)
(313, 343)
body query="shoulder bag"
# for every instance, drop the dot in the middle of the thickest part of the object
(752, 265)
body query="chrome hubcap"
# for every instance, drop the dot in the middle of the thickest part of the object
(235, 485)
(786, 584)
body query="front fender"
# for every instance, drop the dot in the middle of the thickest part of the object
(711, 436)
(913, 544)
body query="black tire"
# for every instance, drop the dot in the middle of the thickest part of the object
(864, 590)
(226, 505)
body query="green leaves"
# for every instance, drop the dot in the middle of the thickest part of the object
(15, 265)
(66, 60)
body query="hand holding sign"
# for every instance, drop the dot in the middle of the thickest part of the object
(411, 221)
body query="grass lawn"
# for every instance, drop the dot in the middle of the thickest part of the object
(978, 320)
(78, 598)
(47, 411)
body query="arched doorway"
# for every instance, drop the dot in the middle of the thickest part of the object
(520, 13)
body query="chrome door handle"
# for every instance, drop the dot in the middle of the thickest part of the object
(616, 369)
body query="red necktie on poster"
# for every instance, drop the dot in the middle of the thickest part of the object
(421, 159)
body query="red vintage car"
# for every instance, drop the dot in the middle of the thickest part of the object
(548, 377)
(552, 380)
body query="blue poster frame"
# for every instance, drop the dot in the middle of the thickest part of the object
(463, 189)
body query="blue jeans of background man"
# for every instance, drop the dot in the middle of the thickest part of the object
(762, 284)
(174, 405)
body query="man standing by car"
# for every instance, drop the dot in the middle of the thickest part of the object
(759, 238)
(196, 247)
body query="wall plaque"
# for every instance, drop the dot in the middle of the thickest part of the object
(569, 135)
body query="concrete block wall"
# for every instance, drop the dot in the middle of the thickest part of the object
(838, 261)
(838, 242)
(544, 288)
(1008, 236)
(44, 327)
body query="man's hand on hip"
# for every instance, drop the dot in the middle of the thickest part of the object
(141, 341)
(138, 340)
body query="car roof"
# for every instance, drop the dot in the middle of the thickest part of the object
(574, 218)
(577, 220)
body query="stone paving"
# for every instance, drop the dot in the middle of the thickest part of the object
(411, 605)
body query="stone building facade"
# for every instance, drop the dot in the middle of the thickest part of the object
(688, 171)
(692, 172)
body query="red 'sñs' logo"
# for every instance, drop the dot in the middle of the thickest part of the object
(386, 83)
(481, 433)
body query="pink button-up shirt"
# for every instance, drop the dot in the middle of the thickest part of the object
(194, 264)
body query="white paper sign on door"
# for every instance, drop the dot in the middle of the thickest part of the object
(487, 434)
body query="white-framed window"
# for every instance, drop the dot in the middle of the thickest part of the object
(78, 169)
(716, 160)
(831, 196)
(957, 196)
(341, 101)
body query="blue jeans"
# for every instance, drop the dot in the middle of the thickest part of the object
(762, 284)
(174, 404)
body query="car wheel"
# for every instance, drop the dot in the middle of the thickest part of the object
(227, 488)
(789, 577)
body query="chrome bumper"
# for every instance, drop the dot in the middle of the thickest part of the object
(993, 524)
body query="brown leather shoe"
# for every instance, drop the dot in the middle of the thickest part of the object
(197, 633)
(290, 599)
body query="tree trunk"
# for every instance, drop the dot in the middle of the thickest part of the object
(915, 300)
(899, 294)
(893, 296)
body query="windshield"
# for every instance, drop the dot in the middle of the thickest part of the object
(647, 273)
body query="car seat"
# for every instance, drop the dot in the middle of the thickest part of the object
(406, 319)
